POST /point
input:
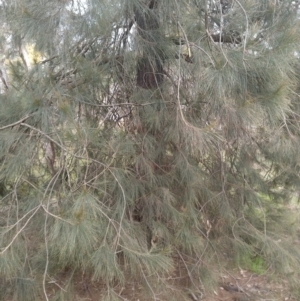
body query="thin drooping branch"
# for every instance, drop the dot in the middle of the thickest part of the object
(15, 123)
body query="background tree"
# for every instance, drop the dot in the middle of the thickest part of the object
(142, 138)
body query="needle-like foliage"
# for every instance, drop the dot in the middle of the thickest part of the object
(142, 140)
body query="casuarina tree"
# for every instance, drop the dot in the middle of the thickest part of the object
(145, 142)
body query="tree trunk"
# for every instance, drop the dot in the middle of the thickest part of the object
(150, 65)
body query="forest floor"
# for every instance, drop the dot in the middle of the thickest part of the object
(245, 286)
(237, 285)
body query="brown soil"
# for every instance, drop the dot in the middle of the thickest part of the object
(246, 286)
(235, 286)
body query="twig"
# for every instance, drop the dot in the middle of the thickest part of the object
(55, 216)
(193, 44)
(15, 123)
(247, 26)
(52, 182)
(14, 238)
(187, 269)
(148, 284)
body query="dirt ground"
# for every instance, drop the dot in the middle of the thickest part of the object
(246, 286)
(239, 285)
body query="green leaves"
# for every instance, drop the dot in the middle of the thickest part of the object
(169, 121)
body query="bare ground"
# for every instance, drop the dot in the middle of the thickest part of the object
(237, 285)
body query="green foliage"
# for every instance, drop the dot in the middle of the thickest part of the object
(139, 139)
(255, 264)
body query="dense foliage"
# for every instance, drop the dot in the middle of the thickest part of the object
(145, 139)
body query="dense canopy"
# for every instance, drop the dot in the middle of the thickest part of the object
(142, 139)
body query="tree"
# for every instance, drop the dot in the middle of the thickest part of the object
(139, 138)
